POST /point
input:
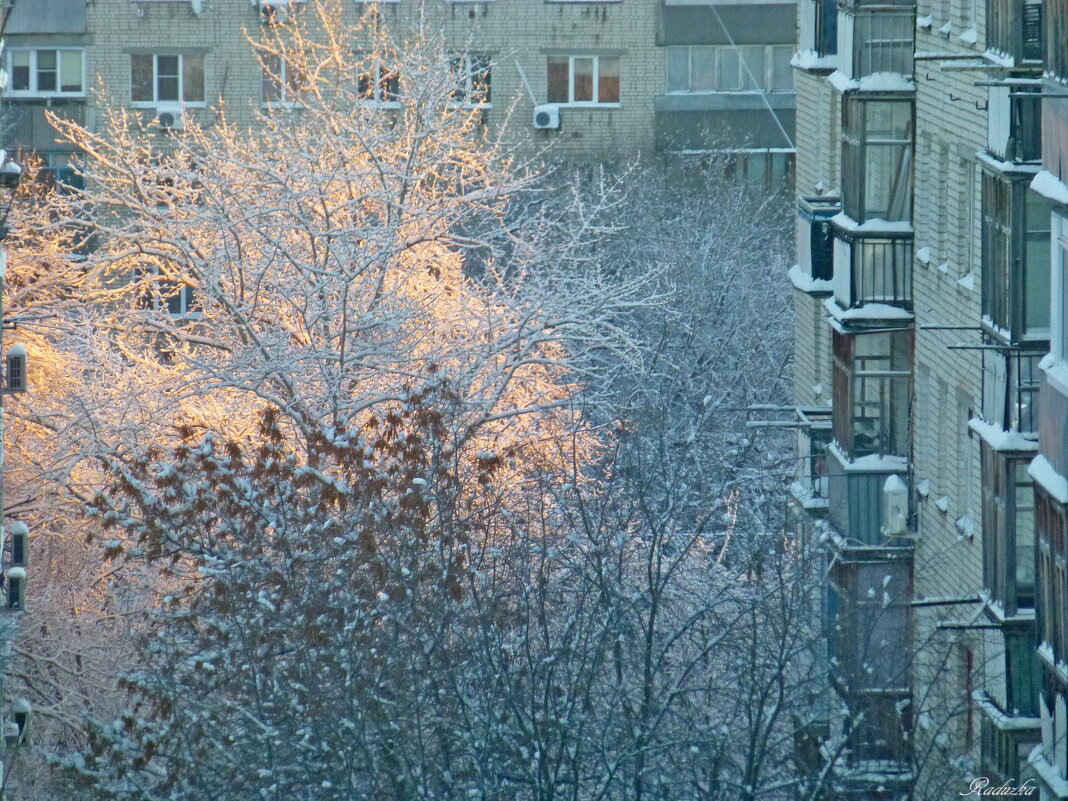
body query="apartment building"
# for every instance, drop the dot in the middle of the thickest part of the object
(589, 79)
(930, 190)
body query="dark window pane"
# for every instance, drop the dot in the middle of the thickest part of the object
(141, 78)
(193, 78)
(608, 80)
(47, 72)
(583, 80)
(20, 71)
(272, 85)
(558, 79)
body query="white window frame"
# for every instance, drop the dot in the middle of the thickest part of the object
(376, 101)
(285, 101)
(767, 78)
(596, 102)
(33, 91)
(468, 86)
(156, 99)
(1059, 292)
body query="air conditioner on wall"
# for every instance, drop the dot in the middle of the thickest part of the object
(170, 117)
(546, 117)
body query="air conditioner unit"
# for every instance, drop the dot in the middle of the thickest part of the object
(170, 117)
(895, 507)
(546, 117)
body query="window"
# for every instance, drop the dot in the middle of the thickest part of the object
(1010, 385)
(379, 84)
(815, 240)
(877, 158)
(871, 657)
(1016, 258)
(1005, 751)
(1059, 238)
(1052, 575)
(1014, 27)
(819, 26)
(1057, 37)
(882, 41)
(160, 294)
(1008, 530)
(282, 81)
(156, 78)
(748, 68)
(872, 386)
(46, 73)
(584, 80)
(471, 77)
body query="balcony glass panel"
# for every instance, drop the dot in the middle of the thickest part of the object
(872, 383)
(877, 159)
(882, 42)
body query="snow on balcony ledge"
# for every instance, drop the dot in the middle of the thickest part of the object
(1006, 166)
(873, 226)
(999, 59)
(1048, 772)
(873, 463)
(869, 311)
(999, 439)
(876, 82)
(1000, 719)
(925, 22)
(806, 283)
(811, 60)
(1048, 478)
(1050, 187)
(803, 495)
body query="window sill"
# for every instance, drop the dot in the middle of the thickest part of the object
(585, 105)
(376, 105)
(153, 104)
(708, 92)
(44, 95)
(281, 105)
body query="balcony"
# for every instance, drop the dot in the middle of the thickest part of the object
(47, 16)
(876, 38)
(1011, 378)
(810, 486)
(1014, 29)
(872, 265)
(818, 27)
(1016, 261)
(869, 621)
(815, 239)
(1014, 120)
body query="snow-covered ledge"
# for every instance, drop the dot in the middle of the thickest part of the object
(1001, 440)
(806, 283)
(1048, 478)
(1050, 187)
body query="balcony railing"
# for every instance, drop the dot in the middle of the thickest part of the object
(873, 269)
